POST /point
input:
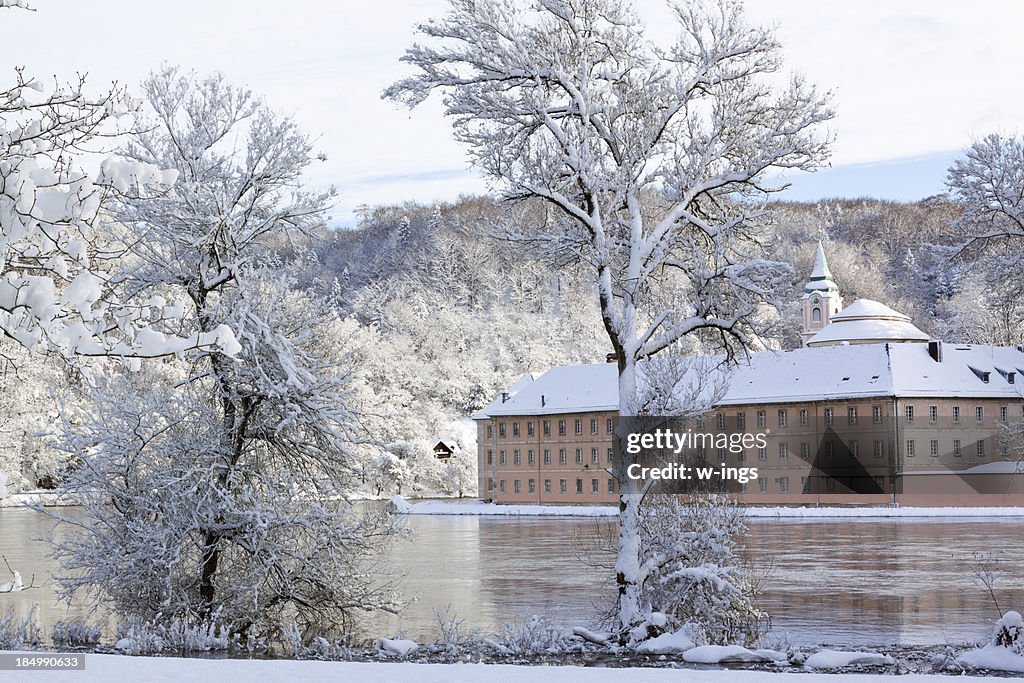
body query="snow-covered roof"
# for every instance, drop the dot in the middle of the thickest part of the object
(797, 376)
(866, 322)
(520, 384)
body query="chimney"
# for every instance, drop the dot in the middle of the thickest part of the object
(611, 358)
(543, 400)
(935, 350)
(504, 396)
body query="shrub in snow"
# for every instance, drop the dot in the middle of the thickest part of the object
(75, 634)
(1009, 632)
(533, 636)
(454, 637)
(19, 632)
(138, 637)
(693, 576)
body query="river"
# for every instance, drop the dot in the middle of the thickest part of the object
(838, 581)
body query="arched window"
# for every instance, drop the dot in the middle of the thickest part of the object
(815, 315)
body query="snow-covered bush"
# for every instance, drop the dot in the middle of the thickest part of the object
(317, 648)
(694, 576)
(75, 634)
(534, 635)
(19, 632)
(1009, 632)
(138, 637)
(454, 637)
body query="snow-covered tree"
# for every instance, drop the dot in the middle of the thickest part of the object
(655, 161)
(57, 285)
(217, 487)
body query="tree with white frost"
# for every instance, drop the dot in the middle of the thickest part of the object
(655, 161)
(217, 488)
(57, 287)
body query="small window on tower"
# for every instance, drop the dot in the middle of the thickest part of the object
(815, 315)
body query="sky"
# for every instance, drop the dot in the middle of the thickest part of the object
(914, 81)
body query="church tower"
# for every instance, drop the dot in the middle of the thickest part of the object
(821, 298)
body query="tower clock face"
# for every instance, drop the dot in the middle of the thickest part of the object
(816, 300)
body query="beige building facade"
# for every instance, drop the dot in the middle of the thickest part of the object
(868, 399)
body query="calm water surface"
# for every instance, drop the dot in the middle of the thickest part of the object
(857, 581)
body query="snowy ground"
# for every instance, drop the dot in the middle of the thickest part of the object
(434, 507)
(115, 668)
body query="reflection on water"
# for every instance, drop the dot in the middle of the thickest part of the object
(855, 581)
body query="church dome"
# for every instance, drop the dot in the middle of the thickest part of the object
(868, 322)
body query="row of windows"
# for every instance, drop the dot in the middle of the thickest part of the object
(853, 446)
(563, 485)
(741, 420)
(609, 428)
(595, 458)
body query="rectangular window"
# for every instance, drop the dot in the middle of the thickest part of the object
(547, 486)
(579, 456)
(563, 485)
(979, 414)
(561, 456)
(803, 416)
(611, 456)
(515, 486)
(783, 451)
(720, 421)
(547, 456)
(762, 485)
(721, 454)
(529, 429)
(876, 414)
(547, 427)
(529, 457)
(854, 447)
(741, 421)
(490, 484)
(933, 414)
(490, 457)
(784, 484)
(762, 453)
(595, 486)
(981, 448)
(501, 457)
(595, 459)
(830, 485)
(828, 416)
(531, 486)
(910, 413)
(762, 419)
(1002, 413)
(805, 450)
(910, 448)
(501, 429)
(956, 413)
(782, 418)
(609, 426)
(561, 427)
(579, 486)
(956, 448)
(879, 449)
(611, 486)
(830, 449)
(515, 457)
(851, 415)
(515, 429)
(579, 427)
(741, 456)
(593, 425)
(490, 431)
(501, 485)
(933, 448)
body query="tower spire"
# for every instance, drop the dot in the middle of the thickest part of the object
(821, 298)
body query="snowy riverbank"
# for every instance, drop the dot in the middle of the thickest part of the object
(435, 507)
(175, 669)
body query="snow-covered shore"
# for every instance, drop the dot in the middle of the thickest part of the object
(480, 508)
(175, 669)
